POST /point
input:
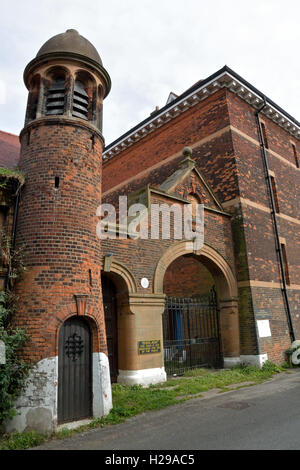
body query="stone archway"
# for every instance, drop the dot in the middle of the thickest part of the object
(121, 275)
(138, 319)
(226, 285)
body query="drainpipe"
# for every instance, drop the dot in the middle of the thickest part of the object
(13, 235)
(274, 218)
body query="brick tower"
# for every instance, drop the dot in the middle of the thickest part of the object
(60, 295)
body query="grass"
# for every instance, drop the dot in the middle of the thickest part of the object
(132, 400)
(24, 440)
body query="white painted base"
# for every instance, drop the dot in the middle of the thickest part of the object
(231, 361)
(37, 406)
(254, 360)
(102, 397)
(143, 377)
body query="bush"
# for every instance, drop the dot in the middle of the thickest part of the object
(15, 371)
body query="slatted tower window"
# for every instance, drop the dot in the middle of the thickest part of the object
(56, 97)
(80, 101)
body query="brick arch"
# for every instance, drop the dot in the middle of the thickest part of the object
(125, 275)
(54, 69)
(217, 265)
(71, 311)
(84, 76)
(226, 287)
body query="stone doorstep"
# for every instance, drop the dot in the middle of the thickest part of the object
(73, 424)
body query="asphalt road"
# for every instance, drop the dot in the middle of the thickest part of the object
(266, 416)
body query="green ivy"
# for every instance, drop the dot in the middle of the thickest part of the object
(14, 373)
(6, 175)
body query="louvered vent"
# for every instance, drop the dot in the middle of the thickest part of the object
(56, 97)
(80, 101)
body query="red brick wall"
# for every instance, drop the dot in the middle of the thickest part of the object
(58, 226)
(58, 230)
(186, 277)
(242, 116)
(142, 256)
(232, 164)
(195, 124)
(260, 248)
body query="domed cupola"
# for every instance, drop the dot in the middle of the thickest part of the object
(67, 79)
(70, 42)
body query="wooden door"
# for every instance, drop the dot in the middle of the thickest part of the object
(110, 312)
(74, 371)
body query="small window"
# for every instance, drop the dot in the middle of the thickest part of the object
(80, 101)
(56, 98)
(295, 156)
(275, 196)
(264, 133)
(285, 264)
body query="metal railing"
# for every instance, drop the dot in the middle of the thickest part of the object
(191, 333)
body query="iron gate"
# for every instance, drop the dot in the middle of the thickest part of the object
(191, 333)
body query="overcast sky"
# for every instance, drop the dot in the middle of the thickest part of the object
(153, 47)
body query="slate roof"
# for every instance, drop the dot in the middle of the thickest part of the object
(9, 150)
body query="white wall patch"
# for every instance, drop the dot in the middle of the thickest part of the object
(263, 327)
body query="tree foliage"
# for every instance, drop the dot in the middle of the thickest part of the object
(12, 374)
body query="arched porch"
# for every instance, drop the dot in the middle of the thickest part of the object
(215, 272)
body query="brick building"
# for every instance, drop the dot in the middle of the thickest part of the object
(129, 309)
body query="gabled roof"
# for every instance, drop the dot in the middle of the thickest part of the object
(188, 172)
(172, 96)
(9, 150)
(174, 180)
(223, 78)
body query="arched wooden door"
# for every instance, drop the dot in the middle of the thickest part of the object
(74, 371)
(110, 312)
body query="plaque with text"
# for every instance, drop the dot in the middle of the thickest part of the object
(149, 347)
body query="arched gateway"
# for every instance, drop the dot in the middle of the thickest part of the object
(185, 317)
(141, 353)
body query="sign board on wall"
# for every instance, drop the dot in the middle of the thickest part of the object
(149, 347)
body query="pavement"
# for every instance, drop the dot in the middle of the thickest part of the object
(260, 417)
